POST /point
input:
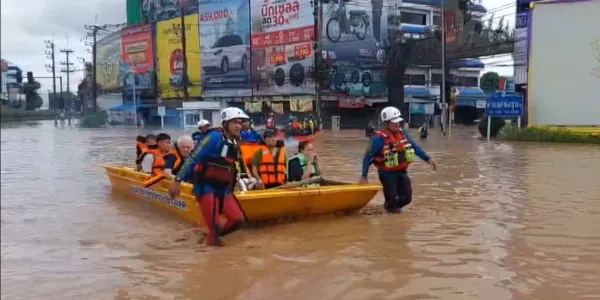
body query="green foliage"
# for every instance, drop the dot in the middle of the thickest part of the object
(490, 81)
(497, 124)
(33, 100)
(12, 115)
(94, 120)
(535, 134)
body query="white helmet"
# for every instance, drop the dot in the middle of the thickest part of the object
(391, 114)
(203, 123)
(231, 113)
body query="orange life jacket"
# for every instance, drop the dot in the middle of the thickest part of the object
(296, 125)
(272, 170)
(393, 154)
(158, 166)
(148, 150)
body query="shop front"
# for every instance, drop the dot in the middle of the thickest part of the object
(192, 112)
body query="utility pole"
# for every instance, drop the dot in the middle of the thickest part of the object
(52, 69)
(67, 69)
(445, 114)
(186, 94)
(318, 48)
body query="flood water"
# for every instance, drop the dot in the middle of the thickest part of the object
(497, 221)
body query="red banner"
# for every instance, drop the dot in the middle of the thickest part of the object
(136, 48)
(283, 37)
(351, 102)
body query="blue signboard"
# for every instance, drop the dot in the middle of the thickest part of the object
(504, 104)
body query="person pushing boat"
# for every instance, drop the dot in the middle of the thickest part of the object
(203, 127)
(215, 165)
(392, 151)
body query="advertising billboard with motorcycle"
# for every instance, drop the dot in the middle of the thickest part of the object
(282, 47)
(108, 58)
(354, 34)
(169, 55)
(225, 35)
(137, 57)
(160, 10)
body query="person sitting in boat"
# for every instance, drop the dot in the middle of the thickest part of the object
(203, 127)
(303, 165)
(213, 165)
(152, 162)
(392, 151)
(143, 161)
(168, 164)
(248, 134)
(270, 121)
(269, 163)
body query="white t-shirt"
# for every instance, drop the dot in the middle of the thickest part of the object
(147, 163)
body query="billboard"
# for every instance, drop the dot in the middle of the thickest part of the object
(137, 57)
(160, 10)
(169, 55)
(354, 34)
(225, 35)
(282, 47)
(108, 59)
(552, 98)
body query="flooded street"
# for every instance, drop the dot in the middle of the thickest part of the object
(497, 221)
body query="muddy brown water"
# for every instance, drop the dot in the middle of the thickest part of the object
(496, 221)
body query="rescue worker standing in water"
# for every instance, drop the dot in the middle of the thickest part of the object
(392, 151)
(215, 165)
(203, 127)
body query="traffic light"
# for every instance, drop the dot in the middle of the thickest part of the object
(29, 77)
(19, 76)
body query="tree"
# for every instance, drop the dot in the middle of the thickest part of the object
(33, 100)
(490, 81)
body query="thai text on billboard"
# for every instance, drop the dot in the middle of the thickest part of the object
(282, 47)
(225, 40)
(169, 55)
(138, 56)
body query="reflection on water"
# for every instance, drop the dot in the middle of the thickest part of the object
(496, 221)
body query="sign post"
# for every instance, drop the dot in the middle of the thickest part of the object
(162, 112)
(503, 104)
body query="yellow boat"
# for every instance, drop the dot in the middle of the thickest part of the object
(260, 205)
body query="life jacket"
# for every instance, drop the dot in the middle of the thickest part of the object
(397, 153)
(221, 171)
(139, 148)
(272, 170)
(296, 125)
(158, 166)
(270, 123)
(311, 126)
(148, 150)
(303, 164)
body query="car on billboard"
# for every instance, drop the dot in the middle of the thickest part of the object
(228, 52)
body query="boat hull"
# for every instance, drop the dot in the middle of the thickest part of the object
(258, 205)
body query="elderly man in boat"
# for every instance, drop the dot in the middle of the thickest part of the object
(167, 164)
(215, 164)
(392, 151)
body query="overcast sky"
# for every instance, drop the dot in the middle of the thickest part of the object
(23, 35)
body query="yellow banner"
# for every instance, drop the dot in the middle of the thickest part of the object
(275, 107)
(108, 59)
(301, 105)
(253, 107)
(170, 57)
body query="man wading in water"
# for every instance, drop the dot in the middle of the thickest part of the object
(392, 151)
(214, 165)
